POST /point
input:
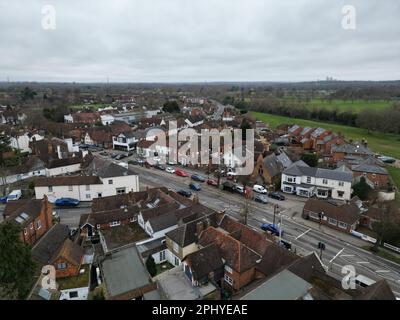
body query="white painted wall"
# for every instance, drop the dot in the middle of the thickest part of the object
(63, 170)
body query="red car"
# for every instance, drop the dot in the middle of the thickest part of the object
(212, 182)
(181, 173)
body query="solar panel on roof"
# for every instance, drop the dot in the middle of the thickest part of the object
(19, 219)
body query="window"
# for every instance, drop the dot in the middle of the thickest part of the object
(115, 223)
(38, 224)
(175, 246)
(228, 269)
(332, 221)
(99, 195)
(176, 261)
(162, 255)
(308, 179)
(341, 183)
(228, 279)
(73, 294)
(98, 226)
(110, 181)
(88, 196)
(325, 181)
(50, 188)
(290, 179)
(70, 188)
(340, 194)
(87, 187)
(342, 225)
(61, 266)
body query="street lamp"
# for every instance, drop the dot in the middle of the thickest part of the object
(275, 208)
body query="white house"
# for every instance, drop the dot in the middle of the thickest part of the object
(110, 180)
(305, 181)
(125, 141)
(107, 119)
(21, 142)
(68, 118)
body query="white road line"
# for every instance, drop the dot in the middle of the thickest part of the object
(347, 255)
(303, 234)
(362, 262)
(336, 256)
(382, 271)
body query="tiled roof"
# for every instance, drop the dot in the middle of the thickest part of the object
(301, 170)
(67, 181)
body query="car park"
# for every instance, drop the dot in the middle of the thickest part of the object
(276, 196)
(272, 228)
(184, 193)
(181, 173)
(259, 189)
(195, 186)
(197, 177)
(66, 202)
(212, 182)
(260, 198)
(170, 170)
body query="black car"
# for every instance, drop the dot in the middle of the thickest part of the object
(197, 177)
(135, 162)
(120, 156)
(159, 167)
(185, 193)
(114, 155)
(277, 196)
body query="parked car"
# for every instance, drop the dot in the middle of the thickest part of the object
(276, 196)
(114, 155)
(104, 153)
(67, 202)
(195, 186)
(285, 244)
(185, 193)
(159, 167)
(231, 176)
(3, 199)
(197, 177)
(181, 173)
(14, 195)
(261, 198)
(229, 186)
(134, 162)
(260, 189)
(212, 182)
(120, 156)
(274, 229)
(140, 162)
(238, 189)
(148, 164)
(170, 170)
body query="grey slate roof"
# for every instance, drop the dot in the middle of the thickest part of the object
(285, 160)
(273, 165)
(298, 169)
(124, 271)
(355, 148)
(370, 168)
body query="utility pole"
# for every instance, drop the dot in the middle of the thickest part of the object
(280, 229)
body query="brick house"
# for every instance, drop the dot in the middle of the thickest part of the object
(343, 217)
(55, 248)
(268, 167)
(33, 216)
(379, 176)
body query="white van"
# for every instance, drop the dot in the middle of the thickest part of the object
(14, 195)
(363, 281)
(259, 189)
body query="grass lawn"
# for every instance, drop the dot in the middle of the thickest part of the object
(79, 281)
(355, 106)
(163, 267)
(387, 144)
(395, 176)
(95, 106)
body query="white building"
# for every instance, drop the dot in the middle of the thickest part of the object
(21, 142)
(107, 119)
(110, 180)
(305, 181)
(68, 118)
(125, 141)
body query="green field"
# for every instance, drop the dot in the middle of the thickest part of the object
(353, 106)
(395, 175)
(95, 106)
(387, 144)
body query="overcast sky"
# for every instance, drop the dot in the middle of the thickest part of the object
(199, 40)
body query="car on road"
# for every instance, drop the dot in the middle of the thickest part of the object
(3, 199)
(113, 155)
(140, 162)
(229, 186)
(195, 186)
(104, 153)
(285, 244)
(14, 195)
(120, 156)
(259, 189)
(273, 228)
(170, 170)
(159, 167)
(184, 193)
(148, 164)
(197, 177)
(260, 198)
(212, 182)
(181, 173)
(67, 202)
(134, 162)
(276, 196)
(238, 189)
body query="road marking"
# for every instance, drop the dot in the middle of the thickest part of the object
(303, 234)
(347, 255)
(362, 262)
(382, 271)
(336, 256)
